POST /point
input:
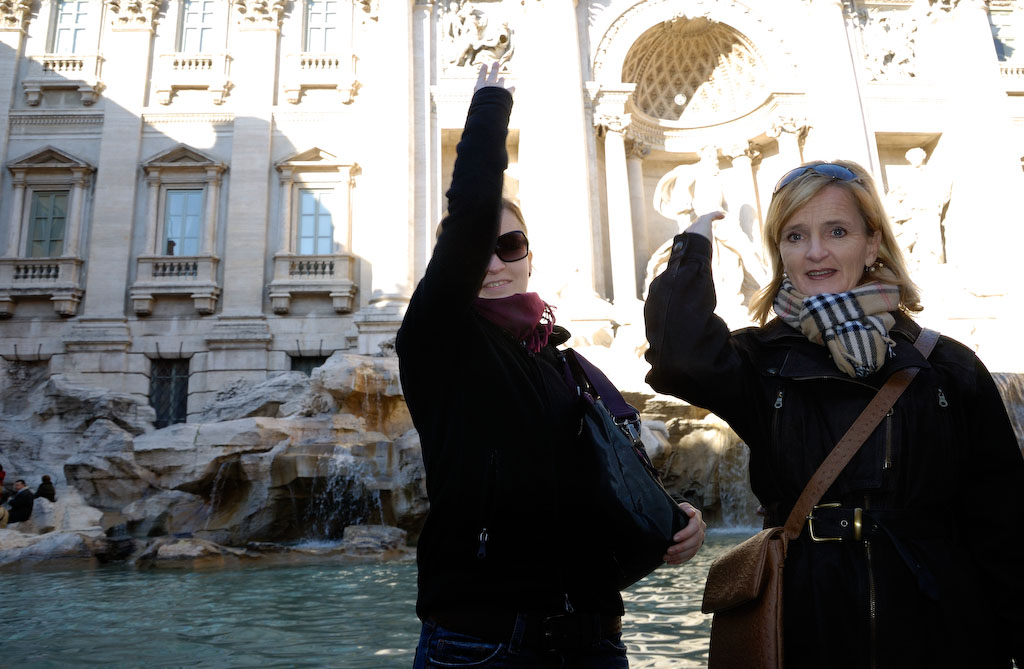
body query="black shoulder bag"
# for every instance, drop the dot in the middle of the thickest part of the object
(642, 517)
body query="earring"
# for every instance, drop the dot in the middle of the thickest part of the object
(785, 274)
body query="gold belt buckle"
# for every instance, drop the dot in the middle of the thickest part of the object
(810, 523)
(858, 523)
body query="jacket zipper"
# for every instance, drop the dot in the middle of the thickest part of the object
(872, 603)
(481, 549)
(887, 464)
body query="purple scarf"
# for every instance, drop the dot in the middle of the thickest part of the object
(524, 316)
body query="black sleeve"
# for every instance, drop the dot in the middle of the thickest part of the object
(459, 263)
(692, 353)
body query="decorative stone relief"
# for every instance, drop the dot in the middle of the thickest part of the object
(888, 43)
(917, 207)
(261, 12)
(695, 71)
(475, 33)
(134, 13)
(14, 14)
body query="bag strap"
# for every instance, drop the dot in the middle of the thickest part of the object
(855, 437)
(605, 389)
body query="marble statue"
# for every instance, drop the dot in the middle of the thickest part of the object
(917, 206)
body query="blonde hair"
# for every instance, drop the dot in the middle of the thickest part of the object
(799, 192)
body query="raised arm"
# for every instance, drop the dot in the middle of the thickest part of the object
(692, 354)
(459, 262)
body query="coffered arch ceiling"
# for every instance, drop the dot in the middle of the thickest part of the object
(695, 72)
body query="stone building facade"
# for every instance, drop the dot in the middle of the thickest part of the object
(202, 193)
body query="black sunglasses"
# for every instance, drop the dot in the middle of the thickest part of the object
(830, 170)
(512, 246)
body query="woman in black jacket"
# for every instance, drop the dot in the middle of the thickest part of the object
(936, 579)
(512, 572)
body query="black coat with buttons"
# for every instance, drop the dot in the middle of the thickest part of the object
(511, 527)
(940, 583)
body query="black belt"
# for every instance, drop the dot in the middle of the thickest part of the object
(557, 632)
(831, 522)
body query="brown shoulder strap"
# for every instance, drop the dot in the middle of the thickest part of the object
(856, 436)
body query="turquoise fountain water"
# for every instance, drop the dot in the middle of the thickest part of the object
(325, 615)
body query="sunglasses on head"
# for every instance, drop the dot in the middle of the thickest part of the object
(830, 170)
(512, 246)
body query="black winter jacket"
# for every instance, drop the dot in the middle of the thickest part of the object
(942, 585)
(511, 527)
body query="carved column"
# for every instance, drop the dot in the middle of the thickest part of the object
(552, 114)
(387, 240)
(746, 208)
(832, 59)
(287, 181)
(636, 151)
(75, 207)
(130, 32)
(152, 209)
(245, 247)
(620, 215)
(14, 18)
(423, 136)
(209, 245)
(17, 218)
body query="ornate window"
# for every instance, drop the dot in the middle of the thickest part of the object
(200, 60)
(71, 62)
(313, 256)
(70, 26)
(43, 257)
(181, 227)
(197, 26)
(321, 26)
(326, 61)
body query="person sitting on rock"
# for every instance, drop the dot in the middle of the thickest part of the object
(46, 490)
(21, 503)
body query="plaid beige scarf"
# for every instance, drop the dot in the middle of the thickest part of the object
(853, 325)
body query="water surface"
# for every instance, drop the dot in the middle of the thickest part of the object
(350, 616)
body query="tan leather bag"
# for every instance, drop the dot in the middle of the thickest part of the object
(744, 585)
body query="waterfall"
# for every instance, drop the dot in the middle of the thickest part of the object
(344, 493)
(216, 492)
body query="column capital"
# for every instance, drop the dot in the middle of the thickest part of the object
(637, 150)
(616, 123)
(265, 14)
(15, 14)
(789, 125)
(134, 14)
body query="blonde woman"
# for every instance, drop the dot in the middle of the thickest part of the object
(931, 575)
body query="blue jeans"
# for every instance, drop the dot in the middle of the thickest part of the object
(441, 647)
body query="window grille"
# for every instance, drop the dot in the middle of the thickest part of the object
(48, 221)
(307, 363)
(168, 391)
(183, 219)
(72, 17)
(316, 227)
(321, 25)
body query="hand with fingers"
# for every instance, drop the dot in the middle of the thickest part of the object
(489, 76)
(689, 539)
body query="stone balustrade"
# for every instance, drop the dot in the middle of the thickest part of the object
(195, 276)
(312, 274)
(59, 279)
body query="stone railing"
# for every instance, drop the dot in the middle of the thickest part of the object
(1013, 78)
(328, 71)
(194, 71)
(329, 275)
(61, 72)
(59, 279)
(195, 276)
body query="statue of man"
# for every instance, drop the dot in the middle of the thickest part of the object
(683, 194)
(917, 206)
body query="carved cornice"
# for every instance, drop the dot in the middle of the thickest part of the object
(14, 14)
(200, 118)
(56, 119)
(261, 13)
(134, 14)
